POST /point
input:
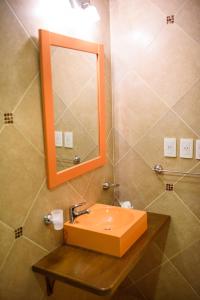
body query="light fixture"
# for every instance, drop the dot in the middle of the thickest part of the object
(90, 10)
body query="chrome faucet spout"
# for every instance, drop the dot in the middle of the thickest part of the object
(73, 214)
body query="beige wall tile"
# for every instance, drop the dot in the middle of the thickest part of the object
(21, 175)
(1, 120)
(134, 25)
(136, 108)
(152, 258)
(166, 283)
(169, 7)
(20, 60)
(189, 18)
(95, 191)
(188, 190)
(121, 147)
(169, 126)
(184, 227)
(188, 263)
(137, 180)
(170, 65)
(6, 240)
(188, 107)
(28, 116)
(35, 229)
(17, 279)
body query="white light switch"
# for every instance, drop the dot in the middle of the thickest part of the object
(197, 154)
(169, 147)
(58, 138)
(68, 139)
(186, 148)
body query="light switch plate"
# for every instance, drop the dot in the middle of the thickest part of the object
(197, 154)
(58, 138)
(186, 148)
(169, 147)
(68, 139)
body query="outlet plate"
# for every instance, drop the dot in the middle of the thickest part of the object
(186, 148)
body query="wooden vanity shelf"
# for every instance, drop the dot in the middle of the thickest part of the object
(95, 272)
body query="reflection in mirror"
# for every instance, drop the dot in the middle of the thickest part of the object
(74, 80)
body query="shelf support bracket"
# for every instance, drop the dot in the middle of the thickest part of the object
(49, 285)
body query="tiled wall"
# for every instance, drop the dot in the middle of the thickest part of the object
(24, 197)
(156, 94)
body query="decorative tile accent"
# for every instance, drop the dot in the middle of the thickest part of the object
(18, 232)
(8, 118)
(170, 19)
(169, 187)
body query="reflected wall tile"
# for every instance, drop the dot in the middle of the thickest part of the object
(17, 278)
(82, 142)
(188, 107)
(62, 197)
(21, 175)
(189, 18)
(28, 116)
(166, 283)
(20, 60)
(184, 227)
(188, 263)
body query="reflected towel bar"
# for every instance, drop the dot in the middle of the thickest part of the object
(159, 170)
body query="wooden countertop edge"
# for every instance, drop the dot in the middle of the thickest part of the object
(103, 291)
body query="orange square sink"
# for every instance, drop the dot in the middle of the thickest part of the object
(106, 229)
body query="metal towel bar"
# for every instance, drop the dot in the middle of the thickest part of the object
(159, 170)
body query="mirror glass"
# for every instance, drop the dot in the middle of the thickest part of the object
(75, 101)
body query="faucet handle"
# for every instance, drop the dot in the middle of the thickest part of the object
(77, 205)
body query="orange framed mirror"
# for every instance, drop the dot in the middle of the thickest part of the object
(75, 112)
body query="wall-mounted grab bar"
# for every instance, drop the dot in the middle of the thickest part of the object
(159, 170)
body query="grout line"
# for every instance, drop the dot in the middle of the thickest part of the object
(74, 189)
(123, 156)
(73, 100)
(177, 12)
(146, 207)
(183, 277)
(2, 128)
(26, 92)
(187, 207)
(183, 249)
(8, 253)
(180, 7)
(88, 185)
(6, 225)
(28, 141)
(21, 24)
(36, 244)
(33, 202)
(152, 270)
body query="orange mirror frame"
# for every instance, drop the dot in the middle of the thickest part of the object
(48, 39)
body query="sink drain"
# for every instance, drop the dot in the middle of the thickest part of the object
(107, 228)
